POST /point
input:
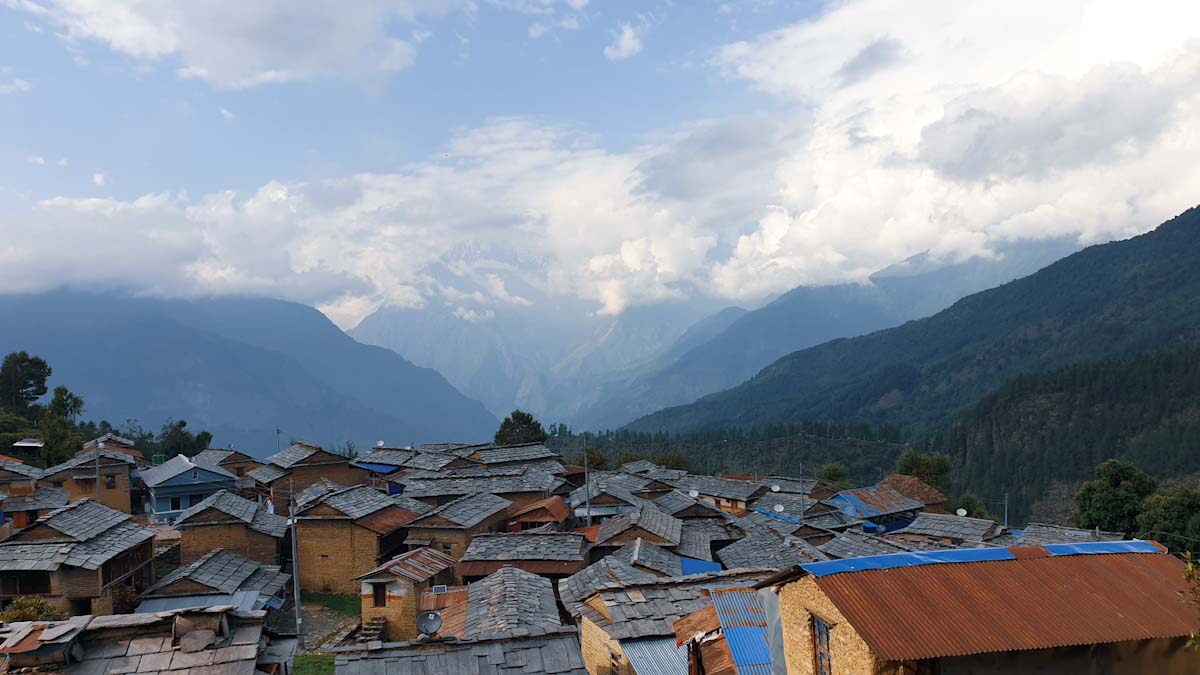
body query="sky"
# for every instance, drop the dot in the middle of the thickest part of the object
(620, 153)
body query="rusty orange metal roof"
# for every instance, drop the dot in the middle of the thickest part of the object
(1033, 601)
(555, 506)
(452, 605)
(417, 565)
(387, 520)
(914, 488)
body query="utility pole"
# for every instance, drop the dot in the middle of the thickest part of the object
(587, 488)
(277, 448)
(295, 556)
(99, 447)
(1006, 509)
(803, 497)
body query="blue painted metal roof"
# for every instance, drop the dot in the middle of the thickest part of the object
(694, 566)
(1094, 547)
(377, 468)
(745, 629)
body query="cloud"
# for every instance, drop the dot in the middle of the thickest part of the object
(36, 159)
(98, 179)
(626, 42)
(226, 114)
(14, 86)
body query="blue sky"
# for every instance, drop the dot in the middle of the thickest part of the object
(402, 152)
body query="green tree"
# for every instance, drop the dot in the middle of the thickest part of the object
(674, 459)
(931, 467)
(628, 456)
(519, 427)
(59, 438)
(175, 439)
(836, 475)
(1173, 519)
(32, 608)
(596, 459)
(65, 404)
(1114, 499)
(974, 507)
(22, 380)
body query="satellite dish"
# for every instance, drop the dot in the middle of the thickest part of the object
(429, 622)
(693, 493)
(778, 508)
(774, 488)
(961, 512)
(379, 444)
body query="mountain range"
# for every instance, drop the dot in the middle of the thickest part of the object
(239, 368)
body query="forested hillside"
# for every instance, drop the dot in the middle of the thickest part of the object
(1058, 425)
(1110, 301)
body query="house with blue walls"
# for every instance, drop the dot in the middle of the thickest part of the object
(182, 482)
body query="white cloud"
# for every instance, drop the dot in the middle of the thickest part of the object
(98, 179)
(627, 42)
(15, 85)
(36, 159)
(226, 114)
(63, 162)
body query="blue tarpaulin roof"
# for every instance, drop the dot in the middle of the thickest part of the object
(377, 468)
(694, 566)
(780, 516)
(1094, 547)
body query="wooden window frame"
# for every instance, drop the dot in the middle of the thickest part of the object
(822, 649)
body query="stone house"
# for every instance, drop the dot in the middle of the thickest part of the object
(549, 511)
(654, 560)
(391, 593)
(236, 524)
(113, 442)
(519, 485)
(880, 507)
(345, 533)
(234, 461)
(83, 557)
(21, 505)
(942, 530)
(78, 477)
(553, 555)
(449, 528)
(272, 482)
(542, 652)
(307, 463)
(646, 523)
(1112, 607)
(218, 577)
(181, 483)
(729, 495)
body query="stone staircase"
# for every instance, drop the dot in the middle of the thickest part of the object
(373, 630)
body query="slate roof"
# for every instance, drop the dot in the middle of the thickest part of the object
(648, 519)
(42, 498)
(315, 490)
(725, 488)
(267, 473)
(213, 456)
(697, 535)
(355, 502)
(639, 466)
(559, 546)
(585, 583)
(388, 456)
(220, 570)
(87, 458)
(466, 511)
(239, 508)
(410, 504)
(652, 608)
(852, 544)
(644, 554)
(831, 520)
(1039, 534)
(793, 486)
(523, 481)
(419, 565)
(945, 526)
(511, 599)
(763, 552)
(177, 465)
(794, 505)
(91, 535)
(675, 501)
(524, 452)
(20, 468)
(616, 485)
(289, 456)
(782, 526)
(548, 653)
(554, 506)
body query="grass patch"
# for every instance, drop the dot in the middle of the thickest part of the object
(346, 605)
(313, 664)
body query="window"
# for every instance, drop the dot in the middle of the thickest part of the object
(379, 593)
(110, 482)
(821, 647)
(445, 548)
(176, 503)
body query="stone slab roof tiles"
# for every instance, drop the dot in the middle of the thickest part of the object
(547, 653)
(585, 583)
(232, 505)
(723, 488)
(762, 552)
(41, 499)
(467, 511)
(83, 519)
(675, 501)
(646, 555)
(514, 453)
(562, 546)
(267, 473)
(646, 518)
(220, 570)
(651, 609)
(522, 481)
(410, 504)
(177, 465)
(945, 526)
(418, 565)
(851, 544)
(20, 468)
(357, 501)
(511, 599)
(88, 459)
(289, 456)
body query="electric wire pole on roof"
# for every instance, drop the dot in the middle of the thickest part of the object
(295, 557)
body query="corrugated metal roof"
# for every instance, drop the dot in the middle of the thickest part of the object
(1034, 600)
(418, 565)
(745, 629)
(656, 656)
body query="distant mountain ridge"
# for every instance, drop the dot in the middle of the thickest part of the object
(807, 316)
(1107, 301)
(237, 367)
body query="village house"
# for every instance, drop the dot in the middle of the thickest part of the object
(858, 544)
(553, 652)
(1112, 607)
(549, 511)
(917, 490)
(234, 523)
(732, 496)
(579, 587)
(272, 482)
(21, 505)
(235, 462)
(16, 472)
(627, 629)
(219, 577)
(78, 477)
(880, 507)
(761, 551)
(941, 530)
(553, 555)
(702, 538)
(728, 637)
(519, 485)
(391, 593)
(26, 449)
(209, 640)
(810, 488)
(300, 465)
(651, 559)
(449, 528)
(111, 441)
(684, 507)
(82, 557)
(345, 533)
(646, 522)
(504, 455)
(181, 483)
(1040, 534)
